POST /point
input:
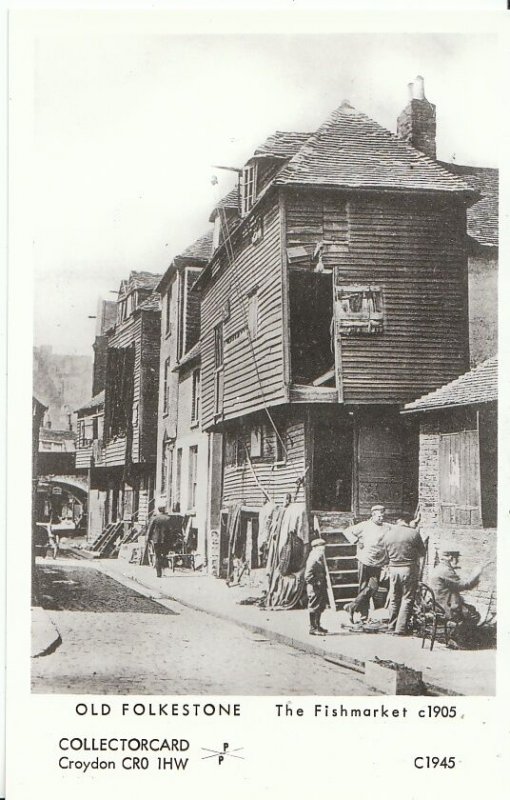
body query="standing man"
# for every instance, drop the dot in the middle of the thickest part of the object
(316, 588)
(404, 548)
(158, 532)
(371, 555)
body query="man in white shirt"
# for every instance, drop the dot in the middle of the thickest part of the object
(371, 555)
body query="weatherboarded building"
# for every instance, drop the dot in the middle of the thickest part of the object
(186, 454)
(117, 428)
(336, 293)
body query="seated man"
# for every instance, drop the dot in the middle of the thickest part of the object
(447, 587)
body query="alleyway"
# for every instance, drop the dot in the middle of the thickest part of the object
(116, 641)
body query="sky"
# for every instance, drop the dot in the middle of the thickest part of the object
(127, 130)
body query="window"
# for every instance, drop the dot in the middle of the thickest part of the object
(168, 312)
(195, 396)
(178, 476)
(280, 455)
(240, 450)
(256, 441)
(358, 310)
(192, 489)
(166, 387)
(166, 466)
(253, 315)
(218, 366)
(248, 188)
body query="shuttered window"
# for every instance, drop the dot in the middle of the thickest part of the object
(459, 478)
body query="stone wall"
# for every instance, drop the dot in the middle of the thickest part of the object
(476, 545)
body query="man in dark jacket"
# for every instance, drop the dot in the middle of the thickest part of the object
(316, 588)
(159, 532)
(404, 548)
(447, 587)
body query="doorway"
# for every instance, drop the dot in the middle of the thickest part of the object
(332, 446)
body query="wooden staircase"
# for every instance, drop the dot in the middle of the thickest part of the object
(341, 561)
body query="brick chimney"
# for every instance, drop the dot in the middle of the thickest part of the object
(417, 122)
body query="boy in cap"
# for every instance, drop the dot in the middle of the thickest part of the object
(316, 587)
(371, 555)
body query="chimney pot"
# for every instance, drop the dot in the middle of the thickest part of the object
(410, 89)
(419, 88)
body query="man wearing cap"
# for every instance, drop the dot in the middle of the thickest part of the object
(404, 548)
(159, 531)
(447, 587)
(371, 555)
(316, 587)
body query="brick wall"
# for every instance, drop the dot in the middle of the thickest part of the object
(476, 545)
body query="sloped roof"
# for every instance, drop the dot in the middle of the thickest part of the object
(193, 353)
(351, 150)
(479, 385)
(201, 249)
(282, 144)
(482, 217)
(94, 403)
(53, 435)
(230, 201)
(151, 304)
(139, 280)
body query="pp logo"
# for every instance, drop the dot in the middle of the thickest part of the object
(223, 754)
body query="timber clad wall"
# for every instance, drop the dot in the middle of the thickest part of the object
(143, 331)
(238, 481)
(416, 252)
(257, 268)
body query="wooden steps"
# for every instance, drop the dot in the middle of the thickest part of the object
(341, 561)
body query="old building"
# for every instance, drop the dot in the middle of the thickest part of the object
(338, 293)
(185, 452)
(458, 469)
(116, 441)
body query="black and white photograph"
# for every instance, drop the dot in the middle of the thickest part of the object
(265, 363)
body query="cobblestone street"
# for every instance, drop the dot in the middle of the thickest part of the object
(116, 641)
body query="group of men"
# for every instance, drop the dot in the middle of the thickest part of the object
(399, 548)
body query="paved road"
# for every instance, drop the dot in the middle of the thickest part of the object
(115, 641)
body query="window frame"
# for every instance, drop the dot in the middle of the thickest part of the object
(248, 193)
(166, 386)
(192, 476)
(195, 396)
(219, 362)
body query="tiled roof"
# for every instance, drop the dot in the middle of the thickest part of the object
(283, 144)
(479, 385)
(230, 201)
(482, 218)
(52, 435)
(201, 249)
(151, 304)
(351, 150)
(96, 402)
(193, 353)
(139, 280)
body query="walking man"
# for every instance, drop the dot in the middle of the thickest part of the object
(316, 588)
(371, 555)
(404, 548)
(160, 528)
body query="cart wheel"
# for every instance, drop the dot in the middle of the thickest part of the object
(151, 555)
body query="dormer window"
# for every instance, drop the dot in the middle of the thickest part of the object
(248, 188)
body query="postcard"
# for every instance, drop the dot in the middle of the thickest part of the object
(253, 311)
